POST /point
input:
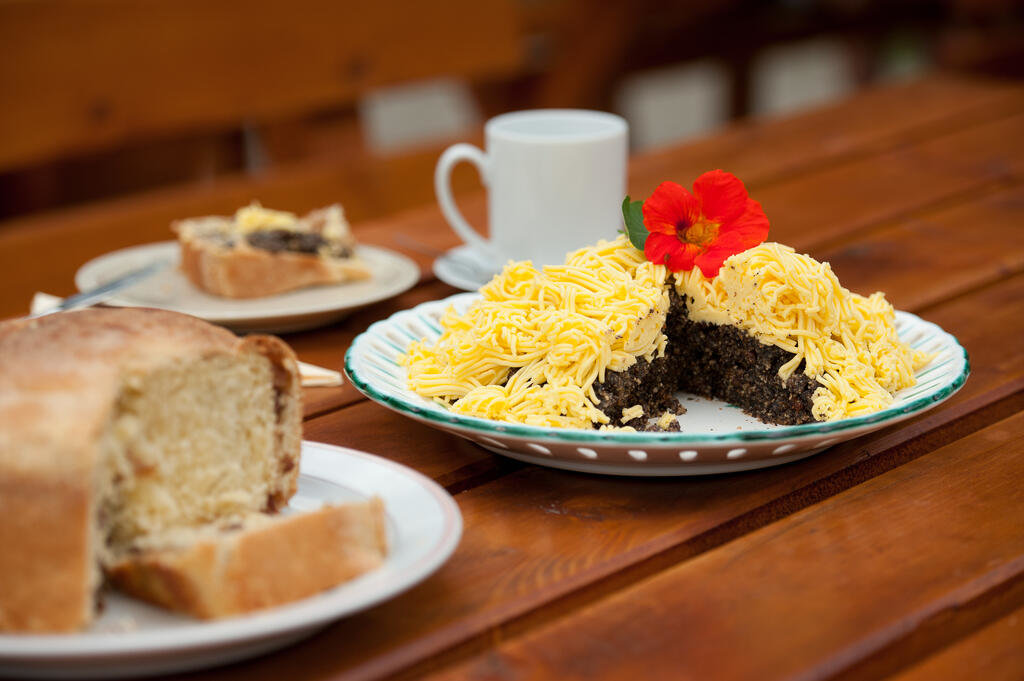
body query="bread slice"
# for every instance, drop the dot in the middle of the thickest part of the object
(260, 252)
(123, 424)
(257, 562)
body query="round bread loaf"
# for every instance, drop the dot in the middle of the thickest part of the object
(118, 426)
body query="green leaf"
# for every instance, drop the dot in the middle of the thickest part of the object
(633, 215)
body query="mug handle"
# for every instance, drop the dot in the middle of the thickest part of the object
(443, 188)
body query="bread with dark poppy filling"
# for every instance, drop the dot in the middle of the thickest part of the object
(260, 252)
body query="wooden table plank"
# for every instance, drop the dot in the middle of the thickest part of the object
(994, 653)
(800, 598)
(868, 192)
(762, 150)
(977, 150)
(936, 255)
(537, 536)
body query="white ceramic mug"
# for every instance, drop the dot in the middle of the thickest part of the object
(555, 179)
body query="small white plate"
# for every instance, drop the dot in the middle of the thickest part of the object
(306, 308)
(465, 267)
(716, 437)
(132, 638)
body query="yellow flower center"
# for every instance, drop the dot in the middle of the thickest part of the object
(700, 233)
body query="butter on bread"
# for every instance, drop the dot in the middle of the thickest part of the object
(261, 252)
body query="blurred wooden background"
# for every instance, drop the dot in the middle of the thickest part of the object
(105, 98)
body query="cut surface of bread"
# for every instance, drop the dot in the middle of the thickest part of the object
(192, 442)
(118, 424)
(260, 252)
(258, 561)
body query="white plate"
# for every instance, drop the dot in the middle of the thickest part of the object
(392, 274)
(464, 267)
(715, 437)
(131, 638)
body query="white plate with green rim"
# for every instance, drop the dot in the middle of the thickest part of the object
(132, 638)
(715, 437)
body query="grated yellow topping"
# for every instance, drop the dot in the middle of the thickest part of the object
(666, 420)
(530, 350)
(634, 412)
(551, 333)
(255, 217)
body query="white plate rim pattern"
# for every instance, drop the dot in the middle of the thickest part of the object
(371, 365)
(319, 460)
(250, 310)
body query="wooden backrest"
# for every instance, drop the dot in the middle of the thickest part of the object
(83, 75)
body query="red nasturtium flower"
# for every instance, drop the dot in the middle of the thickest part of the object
(703, 228)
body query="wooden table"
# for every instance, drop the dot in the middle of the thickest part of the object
(898, 555)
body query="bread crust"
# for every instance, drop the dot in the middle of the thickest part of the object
(246, 272)
(60, 377)
(288, 431)
(47, 578)
(282, 559)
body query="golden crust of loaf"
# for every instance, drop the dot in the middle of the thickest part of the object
(48, 522)
(238, 571)
(60, 376)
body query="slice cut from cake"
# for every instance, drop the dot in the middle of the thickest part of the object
(260, 252)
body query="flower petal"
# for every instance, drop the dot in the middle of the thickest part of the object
(751, 227)
(659, 247)
(663, 249)
(671, 204)
(722, 195)
(682, 259)
(746, 231)
(710, 261)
